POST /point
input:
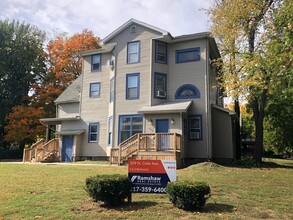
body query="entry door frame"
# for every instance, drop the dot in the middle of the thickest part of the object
(67, 148)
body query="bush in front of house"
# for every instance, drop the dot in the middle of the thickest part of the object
(188, 195)
(110, 189)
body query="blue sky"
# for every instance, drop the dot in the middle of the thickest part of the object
(103, 16)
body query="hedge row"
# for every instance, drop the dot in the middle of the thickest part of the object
(113, 190)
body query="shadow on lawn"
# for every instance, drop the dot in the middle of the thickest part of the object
(263, 165)
(217, 208)
(267, 163)
(133, 206)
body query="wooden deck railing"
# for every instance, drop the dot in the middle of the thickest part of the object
(158, 142)
(40, 150)
(30, 153)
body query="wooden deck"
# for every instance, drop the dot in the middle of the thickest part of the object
(158, 146)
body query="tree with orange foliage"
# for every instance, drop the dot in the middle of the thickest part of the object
(63, 59)
(63, 66)
(23, 125)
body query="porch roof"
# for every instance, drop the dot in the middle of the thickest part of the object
(71, 132)
(56, 121)
(168, 107)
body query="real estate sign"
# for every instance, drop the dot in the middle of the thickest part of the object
(151, 176)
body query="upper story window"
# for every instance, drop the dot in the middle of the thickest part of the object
(161, 52)
(132, 86)
(133, 50)
(93, 132)
(195, 127)
(95, 89)
(112, 89)
(188, 55)
(187, 91)
(96, 62)
(160, 85)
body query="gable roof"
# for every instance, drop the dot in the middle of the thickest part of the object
(71, 93)
(130, 22)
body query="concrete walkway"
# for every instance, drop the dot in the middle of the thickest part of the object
(62, 164)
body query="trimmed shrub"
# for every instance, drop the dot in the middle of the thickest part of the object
(188, 195)
(110, 189)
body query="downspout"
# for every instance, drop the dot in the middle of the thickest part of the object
(207, 98)
(114, 128)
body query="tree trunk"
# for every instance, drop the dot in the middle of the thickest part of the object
(258, 115)
(237, 130)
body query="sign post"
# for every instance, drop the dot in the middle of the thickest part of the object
(151, 176)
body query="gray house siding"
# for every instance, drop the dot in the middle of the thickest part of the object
(143, 67)
(197, 74)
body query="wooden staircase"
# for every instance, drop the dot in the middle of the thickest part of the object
(42, 152)
(158, 146)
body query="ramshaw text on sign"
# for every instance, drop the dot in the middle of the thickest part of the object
(151, 176)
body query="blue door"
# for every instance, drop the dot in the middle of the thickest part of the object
(67, 143)
(162, 126)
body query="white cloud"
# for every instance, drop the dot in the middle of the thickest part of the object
(102, 17)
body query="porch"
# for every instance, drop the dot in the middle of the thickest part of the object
(42, 151)
(157, 146)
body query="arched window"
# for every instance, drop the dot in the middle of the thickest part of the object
(187, 91)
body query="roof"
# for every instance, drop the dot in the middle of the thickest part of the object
(104, 49)
(168, 107)
(191, 36)
(224, 110)
(71, 93)
(71, 132)
(130, 22)
(56, 121)
(202, 35)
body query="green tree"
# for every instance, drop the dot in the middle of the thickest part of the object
(21, 64)
(240, 26)
(279, 118)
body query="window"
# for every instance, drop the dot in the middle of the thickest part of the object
(110, 127)
(161, 52)
(132, 29)
(129, 125)
(188, 55)
(132, 86)
(96, 62)
(195, 127)
(95, 90)
(133, 52)
(93, 132)
(112, 90)
(160, 85)
(187, 91)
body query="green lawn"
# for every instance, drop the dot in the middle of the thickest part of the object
(38, 191)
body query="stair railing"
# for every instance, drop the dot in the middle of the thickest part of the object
(128, 147)
(30, 154)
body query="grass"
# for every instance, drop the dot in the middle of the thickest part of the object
(38, 191)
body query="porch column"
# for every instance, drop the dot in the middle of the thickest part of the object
(48, 133)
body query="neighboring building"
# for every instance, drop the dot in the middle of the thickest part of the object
(143, 80)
